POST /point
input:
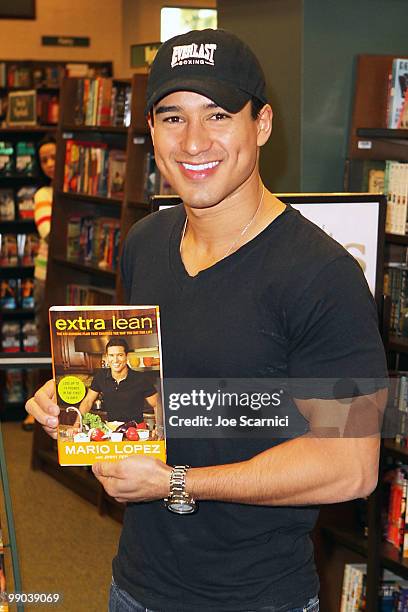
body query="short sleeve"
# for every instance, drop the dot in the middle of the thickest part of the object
(96, 382)
(333, 328)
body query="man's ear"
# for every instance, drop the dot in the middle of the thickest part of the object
(264, 121)
(150, 123)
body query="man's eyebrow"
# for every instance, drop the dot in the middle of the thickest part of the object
(178, 109)
(167, 109)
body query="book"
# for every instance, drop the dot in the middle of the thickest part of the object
(26, 159)
(116, 173)
(7, 210)
(8, 294)
(92, 347)
(25, 202)
(398, 87)
(28, 245)
(6, 158)
(10, 336)
(8, 250)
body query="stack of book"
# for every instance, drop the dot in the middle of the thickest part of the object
(17, 293)
(396, 189)
(92, 169)
(17, 205)
(393, 591)
(94, 241)
(18, 249)
(100, 102)
(397, 105)
(396, 287)
(78, 295)
(18, 159)
(17, 336)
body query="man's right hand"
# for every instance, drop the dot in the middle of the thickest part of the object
(44, 409)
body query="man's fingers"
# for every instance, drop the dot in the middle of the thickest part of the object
(107, 469)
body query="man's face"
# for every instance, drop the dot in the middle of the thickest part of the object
(205, 152)
(117, 359)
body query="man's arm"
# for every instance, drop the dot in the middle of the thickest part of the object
(88, 401)
(312, 469)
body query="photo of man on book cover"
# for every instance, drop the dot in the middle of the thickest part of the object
(107, 370)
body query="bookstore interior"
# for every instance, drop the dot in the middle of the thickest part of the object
(77, 171)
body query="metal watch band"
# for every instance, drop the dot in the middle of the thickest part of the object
(179, 501)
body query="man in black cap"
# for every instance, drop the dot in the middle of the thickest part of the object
(250, 289)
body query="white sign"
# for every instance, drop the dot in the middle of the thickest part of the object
(353, 225)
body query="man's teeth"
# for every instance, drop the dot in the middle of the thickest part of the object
(200, 167)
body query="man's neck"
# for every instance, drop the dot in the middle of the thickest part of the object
(210, 234)
(121, 375)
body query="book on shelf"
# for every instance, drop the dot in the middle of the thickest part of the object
(396, 287)
(7, 165)
(17, 293)
(27, 246)
(85, 169)
(116, 173)
(91, 348)
(99, 102)
(396, 189)
(25, 202)
(8, 294)
(10, 332)
(14, 388)
(398, 84)
(88, 295)
(26, 158)
(94, 241)
(8, 250)
(392, 590)
(19, 76)
(7, 206)
(47, 109)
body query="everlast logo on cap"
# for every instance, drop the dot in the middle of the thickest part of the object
(193, 54)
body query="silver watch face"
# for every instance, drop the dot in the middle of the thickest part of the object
(181, 507)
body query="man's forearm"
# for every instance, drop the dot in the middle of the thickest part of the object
(301, 471)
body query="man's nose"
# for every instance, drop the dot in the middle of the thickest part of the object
(195, 138)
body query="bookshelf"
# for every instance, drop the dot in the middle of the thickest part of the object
(370, 141)
(45, 78)
(123, 210)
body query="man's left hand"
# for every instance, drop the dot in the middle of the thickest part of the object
(135, 479)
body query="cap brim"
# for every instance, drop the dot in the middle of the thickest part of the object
(222, 93)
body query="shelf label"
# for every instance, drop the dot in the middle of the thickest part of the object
(67, 135)
(365, 144)
(139, 140)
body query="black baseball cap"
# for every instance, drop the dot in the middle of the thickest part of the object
(213, 63)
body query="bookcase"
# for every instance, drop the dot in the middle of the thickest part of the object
(343, 539)
(17, 227)
(118, 209)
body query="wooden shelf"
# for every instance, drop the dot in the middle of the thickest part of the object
(77, 265)
(16, 271)
(29, 129)
(83, 197)
(357, 542)
(394, 450)
(18, 226)
(383, 133)
(396, 239)
(398, 344)
(10, 313)
(104, 129)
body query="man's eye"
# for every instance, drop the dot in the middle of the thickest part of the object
(220, 116)
(173, 119)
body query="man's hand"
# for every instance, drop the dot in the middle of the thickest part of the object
(134, 479)
(44, 409)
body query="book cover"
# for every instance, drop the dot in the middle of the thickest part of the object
(399, 84)
(116, 173)
(7, 212)
(26, 161)
(6, 158)
(25, 202)
(110, 400)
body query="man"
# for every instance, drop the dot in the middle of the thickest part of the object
(124, 391)
(247, 289)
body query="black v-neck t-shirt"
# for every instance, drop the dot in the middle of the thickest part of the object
(289, 303)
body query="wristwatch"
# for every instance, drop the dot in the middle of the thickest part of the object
(179, 501)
